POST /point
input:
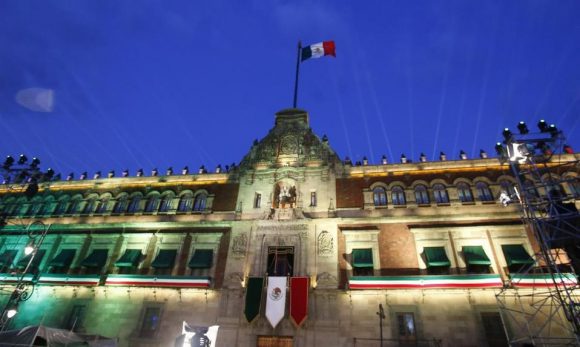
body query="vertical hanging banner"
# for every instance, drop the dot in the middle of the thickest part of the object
(253, 298)
(276, 299)
(298, 299)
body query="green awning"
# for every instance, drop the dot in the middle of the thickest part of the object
(165, 259)
(35, 262)
(362, 257)
(516, 255)
(7, 257)
(436, 256)
(475, 255)
(130, 258)
(97, 259)
(201, 259)
(64, 258)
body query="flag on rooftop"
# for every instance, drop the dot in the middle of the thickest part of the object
(318, 50)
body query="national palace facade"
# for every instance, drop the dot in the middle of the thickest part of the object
(133, 257)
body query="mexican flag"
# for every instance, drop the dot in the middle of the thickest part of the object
(318, 50)
(276, 299)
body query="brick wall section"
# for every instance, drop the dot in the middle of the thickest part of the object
(222, 255)
(397, 250)
(349, 192)
(225, 196)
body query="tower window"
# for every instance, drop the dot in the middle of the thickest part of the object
(483, 192)
(441, 196)
(398, 196)
(313, 199)
(464, 192)
(380, 196)
(421, 195)
(257, 200)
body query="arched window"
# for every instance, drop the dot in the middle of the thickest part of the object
(121, 205)
(165, 203)
(103, 206)
(398, 196)
(440, 193)
(89, 206)
(134, 204)
(199, 202)
(464, 192)
(421, 195)
(152, 204)
(380, 196)
(483, 192)
(185, 203)
(508, 187)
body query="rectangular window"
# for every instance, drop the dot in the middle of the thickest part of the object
(280, 261)
(312, 199)
(76, 318)
(493, 327)
(150, 323)
(407, 331)
(258, 200)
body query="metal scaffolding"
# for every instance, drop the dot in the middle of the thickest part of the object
(540, 304)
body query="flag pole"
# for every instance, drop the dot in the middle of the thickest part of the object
(297, 70)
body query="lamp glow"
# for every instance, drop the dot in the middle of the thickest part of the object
(12, 312)
(29, 248)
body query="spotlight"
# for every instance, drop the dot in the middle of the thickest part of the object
(499, 149)
(29, 248)
(154, 172)
(462, 155)
(423, 157)
(70, 176)
(49, 174)
(506, 134)
(8, 162)
(553, 130)
(97, 175)
(111, 174)
(139, 172)
(403, 159)
(365, 161)
(22, 160)
(185, 170)
(84, 176)
(12, 311)
(384, 160)
(218, 168)
(482, 154)
(169, 171)
(543, 126)
(125, 173)
(202, 170)
(523, 128)
(442, 156)
(34, 163)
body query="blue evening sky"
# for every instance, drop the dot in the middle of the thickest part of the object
(174, 83)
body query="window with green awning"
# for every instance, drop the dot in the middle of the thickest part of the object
(362, 257)
(516, 255)
(35, 262)
(130, 258)
(64, 258)
(201, 259)
(475, 255)
(165, 259)
(7, 258)
(97, 258)
(436, 256)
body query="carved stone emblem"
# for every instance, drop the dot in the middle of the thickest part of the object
(325, 244)
(240, 244)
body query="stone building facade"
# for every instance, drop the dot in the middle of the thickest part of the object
(135, 257)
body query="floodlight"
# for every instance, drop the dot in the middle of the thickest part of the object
(543, 126)
(22, 160)
(523, 128)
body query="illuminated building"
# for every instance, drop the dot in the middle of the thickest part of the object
(134, 257)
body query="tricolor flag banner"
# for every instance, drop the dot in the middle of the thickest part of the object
(318, 50)
(298, 299)
(253, 298)
(276, 299)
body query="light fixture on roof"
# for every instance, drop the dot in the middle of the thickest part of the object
(365, 161)
(523, 128)
(70, 176)
(384, 160)
(218, 168)
(22, 159)
(543, 126)
(111, 174)
(482, 154)
(442, 156)
(34, 163)
(83, 176)
(48, 174)
(125, 173)
(154, 172)
(462, 155)
(185, 170)
(8, 162)
(403, 158)
(507, 134)
(169, 171)
(201, 170)
(423, 157)
(97, 175)
(140, 173)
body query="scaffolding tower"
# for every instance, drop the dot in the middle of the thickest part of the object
(540, 305)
